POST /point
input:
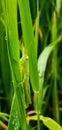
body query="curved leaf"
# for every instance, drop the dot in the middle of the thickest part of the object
(48, 122)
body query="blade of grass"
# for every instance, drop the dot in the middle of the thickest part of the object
(54, 71)
(14, 55)
(42, 62)
(36, 45)
(48, 122)
(37, 28)
(28, 38)
(14, 119)
(4, 126)
(5, 67)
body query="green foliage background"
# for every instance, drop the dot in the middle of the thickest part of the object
(31, 64)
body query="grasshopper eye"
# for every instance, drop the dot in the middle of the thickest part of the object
(27, 58)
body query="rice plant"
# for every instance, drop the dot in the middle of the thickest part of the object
(30, 64)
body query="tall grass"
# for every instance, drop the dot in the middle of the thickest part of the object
(30, 64)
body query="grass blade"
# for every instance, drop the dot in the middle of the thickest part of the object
(55, 71)
(42, 62)
(5, 67)
(14, 58)
(48, 122)
(27, 29)
(14, 119)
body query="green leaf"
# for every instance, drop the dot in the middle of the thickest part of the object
(12, 36)
(28, 38)
(5, 67)
(42, 62)
(43, 58)
(14, 58)
(14, 119)
(48, 122)
(54, 68)
(37, 30)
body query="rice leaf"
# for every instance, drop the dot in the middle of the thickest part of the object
(14, 119)
(28, 38)
(42, 62)
(14, 58)
(48, 122)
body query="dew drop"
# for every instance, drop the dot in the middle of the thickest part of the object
(13, 123)
(6, 38)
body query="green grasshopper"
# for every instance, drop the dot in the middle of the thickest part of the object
(24, 70)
